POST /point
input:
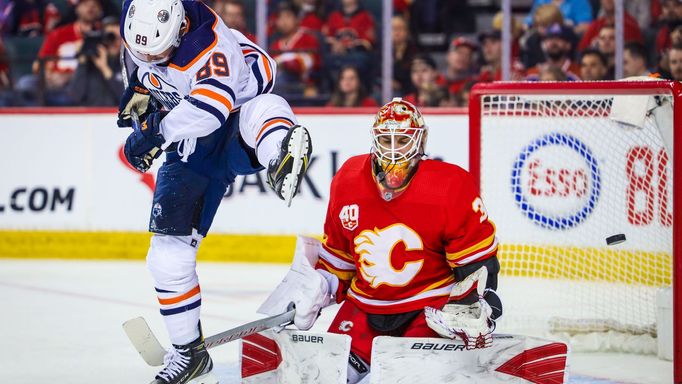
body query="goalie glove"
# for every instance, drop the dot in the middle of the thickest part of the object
(473, 323)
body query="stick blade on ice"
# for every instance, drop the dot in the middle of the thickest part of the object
(144, 341)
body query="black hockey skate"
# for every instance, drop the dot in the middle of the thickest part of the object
(285, 173)
(187, 364)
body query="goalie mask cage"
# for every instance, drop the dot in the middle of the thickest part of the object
(561, 168)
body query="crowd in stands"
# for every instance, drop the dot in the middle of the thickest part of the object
(66, 52)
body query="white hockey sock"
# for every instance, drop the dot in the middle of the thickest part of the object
(183, 328)
(270, 146)
(172, 263)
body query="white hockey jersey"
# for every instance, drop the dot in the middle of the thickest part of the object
(213, 72)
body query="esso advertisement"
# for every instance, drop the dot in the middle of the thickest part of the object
(556, 181)
(561, 181)
(68, 172)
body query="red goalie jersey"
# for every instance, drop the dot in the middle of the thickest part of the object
(397, 256)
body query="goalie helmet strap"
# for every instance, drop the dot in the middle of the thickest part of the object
(392, 322)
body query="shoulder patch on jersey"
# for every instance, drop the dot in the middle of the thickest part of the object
(349, 216)
(200, 38)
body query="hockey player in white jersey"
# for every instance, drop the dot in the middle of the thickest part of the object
(217, 120)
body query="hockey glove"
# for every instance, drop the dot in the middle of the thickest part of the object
(473, 323)
(143, 145)
(318, 287)
(135, 98)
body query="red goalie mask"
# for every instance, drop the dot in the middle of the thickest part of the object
(399, 137)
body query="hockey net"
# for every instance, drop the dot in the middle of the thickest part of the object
(562, 167)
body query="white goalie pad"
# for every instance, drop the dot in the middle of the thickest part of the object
(294, 357)
(305, 257)
(510, 359)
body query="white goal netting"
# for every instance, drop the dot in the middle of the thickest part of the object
(559, 175)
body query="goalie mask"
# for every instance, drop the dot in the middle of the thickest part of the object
(152, 29)
(399, 138)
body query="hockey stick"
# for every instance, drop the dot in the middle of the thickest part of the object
(151, 350)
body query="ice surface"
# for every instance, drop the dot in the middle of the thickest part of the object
(60, 322)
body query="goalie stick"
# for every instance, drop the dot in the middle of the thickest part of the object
(151, 350)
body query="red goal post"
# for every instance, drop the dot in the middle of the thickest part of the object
(563, 165)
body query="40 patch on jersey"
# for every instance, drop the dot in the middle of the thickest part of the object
(350, 214)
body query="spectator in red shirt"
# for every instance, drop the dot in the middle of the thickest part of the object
(350, 29)
(425, 81)
(6, 96)
(4, 68)
(310, 14)
(557, 46)
(404, 50)
(234, 16)
(29, 17)
(61, 45)
(461, 64)
(671, 15)
(296, 52)
(349, 91)
(491, 50)
(631, 27)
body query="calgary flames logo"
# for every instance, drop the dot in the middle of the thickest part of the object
(375, 249)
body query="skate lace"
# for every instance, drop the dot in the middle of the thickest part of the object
(186, 148)
(175, 362)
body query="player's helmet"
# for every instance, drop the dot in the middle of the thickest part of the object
(152, 29)
(399, 140)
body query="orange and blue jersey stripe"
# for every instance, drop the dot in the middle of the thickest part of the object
(214, 97)
(266, 76)
(173, 303)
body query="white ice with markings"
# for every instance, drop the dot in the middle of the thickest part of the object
(61, 322)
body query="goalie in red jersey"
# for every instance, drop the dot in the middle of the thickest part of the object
(408, 247)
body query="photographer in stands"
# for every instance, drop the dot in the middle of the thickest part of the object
(97, 80)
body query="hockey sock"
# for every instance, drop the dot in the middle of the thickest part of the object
(270, 140)
(172, 263)
(180, 311)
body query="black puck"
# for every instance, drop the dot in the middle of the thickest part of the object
(615, 239)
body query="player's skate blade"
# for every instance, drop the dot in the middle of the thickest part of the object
(286, 173)
(208, 378)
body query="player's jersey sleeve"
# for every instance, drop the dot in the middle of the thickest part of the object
(213, 71)
(470, 235)
(335, 255)
(263, 67)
